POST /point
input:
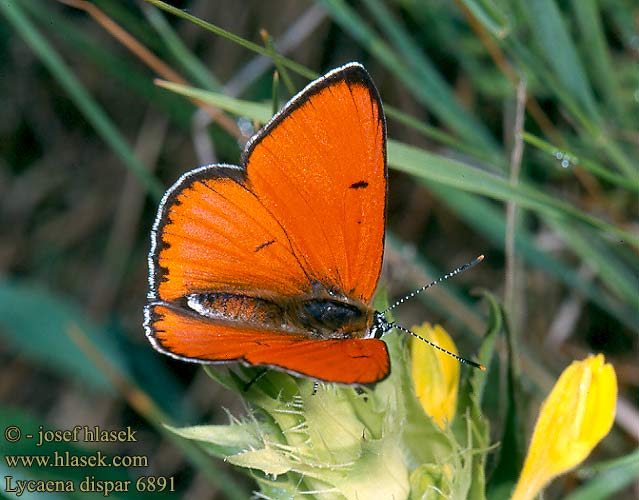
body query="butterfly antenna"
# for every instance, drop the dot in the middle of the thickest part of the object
(458, 358)
(476, 260)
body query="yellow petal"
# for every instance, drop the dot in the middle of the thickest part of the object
(435, 374)
(577, 414)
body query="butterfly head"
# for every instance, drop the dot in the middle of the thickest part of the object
(380, 326)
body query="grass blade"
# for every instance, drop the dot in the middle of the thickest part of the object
(592, 167)
(489, 220)
(594, 49)
(611, 478)
(181, 54)
(44, 336)
(253, 47)
(550, 35)
(83, 100)
(419, 76)
(428, 166)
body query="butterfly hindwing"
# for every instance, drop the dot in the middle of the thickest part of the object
(185, 335)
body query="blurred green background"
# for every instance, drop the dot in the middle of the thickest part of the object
(515, 135)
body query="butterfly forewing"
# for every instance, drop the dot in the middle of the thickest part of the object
(213, 234)
(320, 169)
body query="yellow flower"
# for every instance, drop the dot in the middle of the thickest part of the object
(435, 374)
(577, 414)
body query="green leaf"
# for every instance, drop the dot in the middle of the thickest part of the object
(11, 417)
(594, 48)
(181, 53)
(258, 49)
(550, 35)
(271, 462)
(489, 220)
(80, 96)
(609, 478)
(487, 349)
(425, 165)
(511, 452)
(592, 167)
(531, 59)
(110, 64)
(380, 472)
(493, 19)
(36, 324)
(426, 478)
(428, 166)
(223, 440)
(260, 112)
(470, 426)
(412, 68)
(619, 277)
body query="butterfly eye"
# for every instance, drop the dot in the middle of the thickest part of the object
(380, 326)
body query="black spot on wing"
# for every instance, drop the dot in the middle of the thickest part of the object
(359, 185)
(264, 245)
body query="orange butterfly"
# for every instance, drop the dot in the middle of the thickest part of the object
(275, 262)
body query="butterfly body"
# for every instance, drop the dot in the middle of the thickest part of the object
(313, 316)
(275, 262)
